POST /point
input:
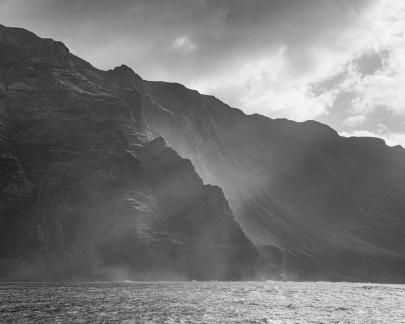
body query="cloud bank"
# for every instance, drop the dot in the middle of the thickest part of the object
(338, 61)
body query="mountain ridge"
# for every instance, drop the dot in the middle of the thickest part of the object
(324, 207)
(85, 193)
(293, 176)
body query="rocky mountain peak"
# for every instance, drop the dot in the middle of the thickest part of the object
(126, 77)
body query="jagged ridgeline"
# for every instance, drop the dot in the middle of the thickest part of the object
(94, 182)
(86, 192)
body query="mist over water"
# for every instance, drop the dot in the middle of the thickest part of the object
(202, 302)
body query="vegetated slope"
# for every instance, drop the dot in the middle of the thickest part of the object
(333, 206)
(85, 193)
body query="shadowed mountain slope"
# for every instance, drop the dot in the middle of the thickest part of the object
(333, 206)
(85, 193)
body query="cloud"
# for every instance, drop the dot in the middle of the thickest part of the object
(383, 89)
(377, 92)
(390, 138)
(184, 45)
(229, 34)
(281, 58)
(353, 121)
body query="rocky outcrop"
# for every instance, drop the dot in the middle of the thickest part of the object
(333, 206)
(85, 193)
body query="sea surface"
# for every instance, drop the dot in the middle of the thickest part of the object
(202, 302)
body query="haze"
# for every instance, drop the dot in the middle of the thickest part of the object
(336, 61)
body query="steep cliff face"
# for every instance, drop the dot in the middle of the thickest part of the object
(85, 192)
(333, 206)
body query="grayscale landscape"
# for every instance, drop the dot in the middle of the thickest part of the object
(148, 197)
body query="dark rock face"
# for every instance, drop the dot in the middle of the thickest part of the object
(93, 183)
(333, 206)
(84, 191)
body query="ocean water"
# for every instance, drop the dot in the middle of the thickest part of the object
(202, 302)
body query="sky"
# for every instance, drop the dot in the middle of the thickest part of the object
(341, 62)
